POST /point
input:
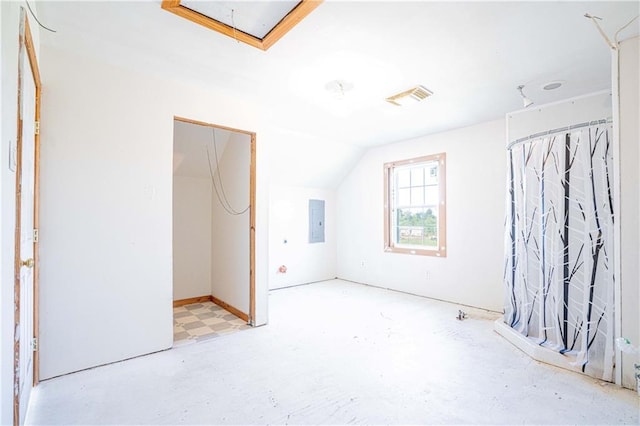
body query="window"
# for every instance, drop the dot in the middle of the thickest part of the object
(414, 207)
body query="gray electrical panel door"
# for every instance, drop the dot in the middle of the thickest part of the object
(316, 221)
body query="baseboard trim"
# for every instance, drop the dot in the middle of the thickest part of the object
(208, 298)
(190, 300)
(235, 311)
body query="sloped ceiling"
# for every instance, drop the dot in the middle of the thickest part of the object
(472, 55)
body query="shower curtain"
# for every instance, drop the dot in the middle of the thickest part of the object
(559, 273)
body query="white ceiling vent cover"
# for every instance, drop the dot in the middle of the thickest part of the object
(411, 96)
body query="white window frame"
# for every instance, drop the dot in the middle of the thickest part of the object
(390, 203)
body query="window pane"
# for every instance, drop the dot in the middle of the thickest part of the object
(431, 226)
(417, 196)
(431, 172)
(416, 227)
(404, 198)
(431, 195)
(403, 176)
(417, 176)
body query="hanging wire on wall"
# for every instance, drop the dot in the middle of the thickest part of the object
(233, 25)
(221, 195)
(36, 18)
(595, 20)
(615, 37)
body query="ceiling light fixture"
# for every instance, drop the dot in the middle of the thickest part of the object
(525, 101)
(552, 85)
(338, 88)
(411, 96)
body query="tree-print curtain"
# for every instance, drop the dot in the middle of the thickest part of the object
(559, 244)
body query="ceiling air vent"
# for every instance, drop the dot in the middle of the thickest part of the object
(411, 96)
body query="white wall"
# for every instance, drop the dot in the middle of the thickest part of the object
(310, 161)
(9, 31)
(471, 273)
(9, 16)
(230, 267)
(191, 237)
(629, 72)
(568, 112)
(106, 275)
(8, 74)
(289, 220)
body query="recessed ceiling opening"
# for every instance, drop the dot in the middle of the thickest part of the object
(253, 18)
(257, 23)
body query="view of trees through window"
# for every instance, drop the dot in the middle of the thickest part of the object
(417, 227)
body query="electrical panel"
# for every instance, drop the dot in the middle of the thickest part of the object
(316, 221)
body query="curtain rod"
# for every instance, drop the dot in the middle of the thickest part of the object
(559, 130)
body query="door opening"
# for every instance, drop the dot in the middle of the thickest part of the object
(26, 224)
(214, 183)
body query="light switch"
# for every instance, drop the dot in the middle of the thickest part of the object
(13, 156)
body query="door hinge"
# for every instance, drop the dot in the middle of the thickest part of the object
(35, 235)
(34, 344)
(37, 127)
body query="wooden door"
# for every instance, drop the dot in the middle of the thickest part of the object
(26, 224)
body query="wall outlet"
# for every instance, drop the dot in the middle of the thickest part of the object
(427, 275)
(362, 263)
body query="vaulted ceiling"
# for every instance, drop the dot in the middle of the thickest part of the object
(471, 55)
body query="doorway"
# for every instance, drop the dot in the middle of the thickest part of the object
(213, 230)
(26, 223)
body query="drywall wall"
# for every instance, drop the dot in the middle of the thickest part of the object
(629, 90)
(307, 161)
(191, 237)
(230, 266)
(9, 31)
(568, 112)
(9, 16)
(191, 145)
(289, 237)
(8, 75)
(106, 211)
(471, 273)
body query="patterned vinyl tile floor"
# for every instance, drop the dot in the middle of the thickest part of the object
(203, 321)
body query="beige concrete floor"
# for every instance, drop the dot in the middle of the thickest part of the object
(339, 353)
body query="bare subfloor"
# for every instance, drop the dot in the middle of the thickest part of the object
(338, 353)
